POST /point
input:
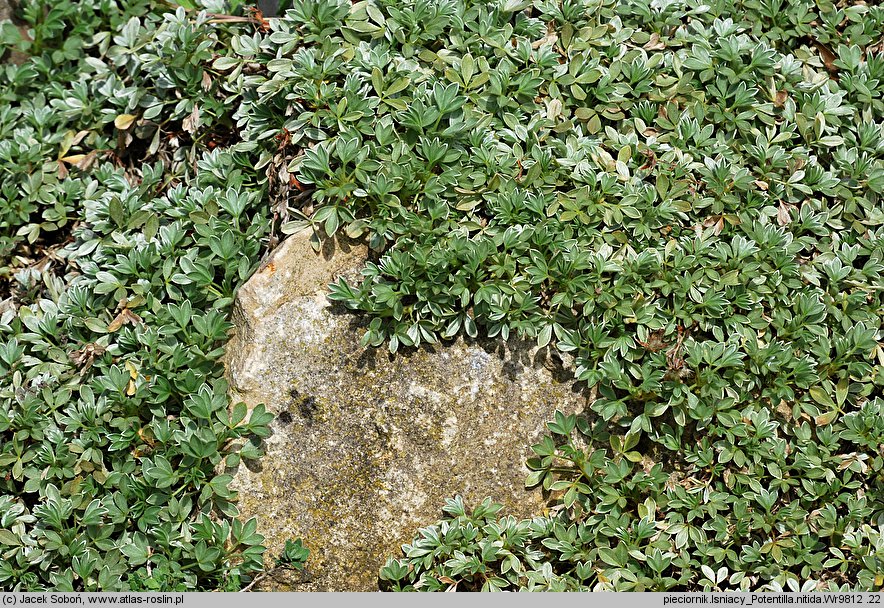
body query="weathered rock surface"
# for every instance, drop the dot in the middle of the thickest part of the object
(5, 10)
(7, 13)
(367, 446)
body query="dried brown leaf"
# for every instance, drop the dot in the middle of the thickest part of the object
(192, 122)
(654, 44)
(81, 161)
(87, 162)
(784, 218)
(784, 410)
(652, 160)
(780, 98)
(551, 37)
(827, 55)
(85, 357)
(125, 316)
(79, 137)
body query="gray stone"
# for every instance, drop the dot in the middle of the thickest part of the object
(366, 446)
(7, 13)
(6, 10)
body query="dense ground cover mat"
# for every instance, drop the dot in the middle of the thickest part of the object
(124, 232)
(686, 197)
(681, 197)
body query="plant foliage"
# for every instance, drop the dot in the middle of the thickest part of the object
(684, 196)
(123, 238)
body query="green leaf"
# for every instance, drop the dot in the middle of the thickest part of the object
(9, 538)
(397, 86)
(467, 66)
(821, 396)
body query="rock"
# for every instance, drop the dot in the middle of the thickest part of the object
(7, 13)
(268, 8)
(6, 10)
(367, 446)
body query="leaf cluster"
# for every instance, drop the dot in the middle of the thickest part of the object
(685, 197)
(124, 234)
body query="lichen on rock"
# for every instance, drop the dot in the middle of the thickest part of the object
(366, 446)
